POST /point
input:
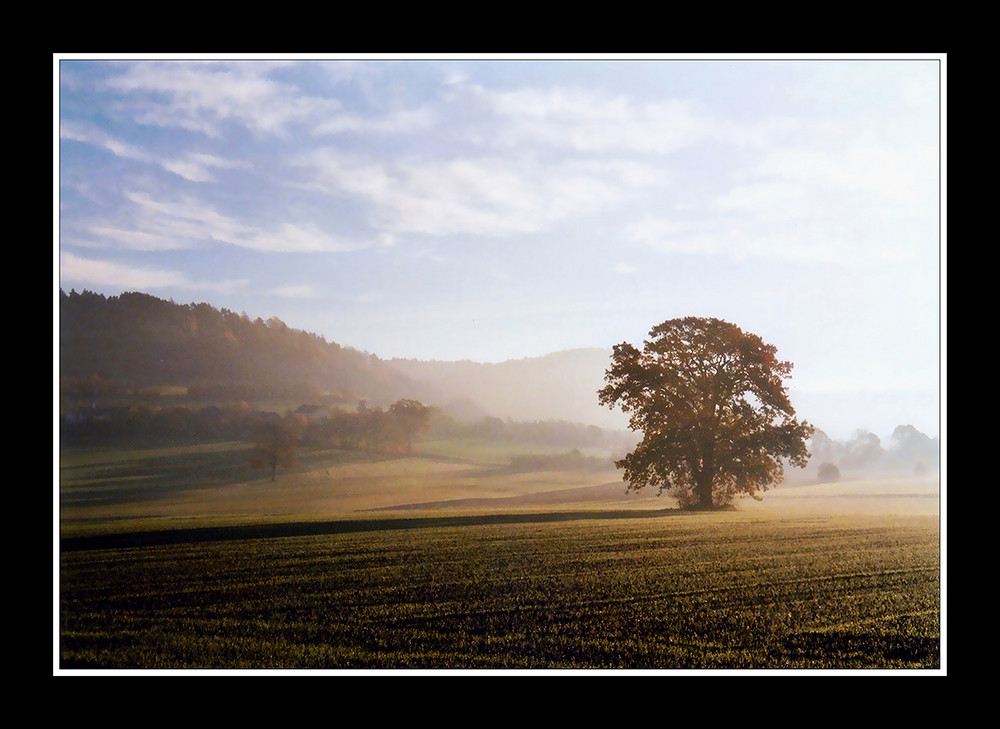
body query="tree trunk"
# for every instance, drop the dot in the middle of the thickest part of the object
(706, 475)
(703, 492)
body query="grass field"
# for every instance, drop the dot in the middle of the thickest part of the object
(450, 560)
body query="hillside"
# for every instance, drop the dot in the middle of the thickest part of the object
(116, 346)
(136, 343)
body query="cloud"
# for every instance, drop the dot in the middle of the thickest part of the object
(405, 121)
(841, 200)
(775, 238)
(484, 196)
(589, 121)
(738, 238)
(195, 166)
(294, 238)
(185, 223)
(192, 166)
(90, 135)
(298, 291)
(76, 270)
(128, 238)
(901, 174)
(201, 97)
(675, 235)
(857, 205)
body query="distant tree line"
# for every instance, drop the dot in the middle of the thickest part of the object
(908, 451)
(395, 429)
(150, 422)
(543, 432)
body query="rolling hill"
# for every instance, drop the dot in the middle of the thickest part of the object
(134, 344)
(120, 348)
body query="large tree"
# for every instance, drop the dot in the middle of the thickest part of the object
(711, 404)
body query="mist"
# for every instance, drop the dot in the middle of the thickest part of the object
(563, 386)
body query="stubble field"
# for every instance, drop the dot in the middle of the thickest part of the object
(555, 570)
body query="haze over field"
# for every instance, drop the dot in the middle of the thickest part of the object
(492, 210)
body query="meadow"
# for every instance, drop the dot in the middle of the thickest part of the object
(183, 558)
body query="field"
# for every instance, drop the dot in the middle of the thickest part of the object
(453, 559)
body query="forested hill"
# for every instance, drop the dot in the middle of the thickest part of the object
(131, 342)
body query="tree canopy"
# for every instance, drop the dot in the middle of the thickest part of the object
(711, 404)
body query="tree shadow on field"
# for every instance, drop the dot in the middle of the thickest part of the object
(346, 526)
(128, 480)
(122, 477)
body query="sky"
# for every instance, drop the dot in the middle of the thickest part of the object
(495, 208)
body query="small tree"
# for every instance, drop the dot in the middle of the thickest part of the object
(828, 473)
(710, 401)
(276, 444)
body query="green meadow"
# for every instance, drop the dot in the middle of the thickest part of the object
(467, 556)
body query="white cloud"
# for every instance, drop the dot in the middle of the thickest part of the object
(158, 225)
(695, 237)
(90, 135)
(298, 291)
(77, 271)
(111, 236)
(186, 221)
(189, 220)
(775, 238)
(192, 166)
(200, 97)
(195, 166)
(846, 201)
(488, 196)
(592, 122)
(856, 206)
(397, 122)
(770, 201)
(293, 238)
(902, 174)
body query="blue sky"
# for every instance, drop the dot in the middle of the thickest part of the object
(499, 208)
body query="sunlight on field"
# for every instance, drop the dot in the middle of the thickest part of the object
(905, 496)
(119, 490)
(187, 557)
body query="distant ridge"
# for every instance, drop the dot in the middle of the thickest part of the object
(562, 385)
(115, 345)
